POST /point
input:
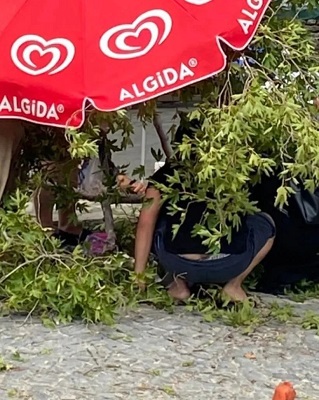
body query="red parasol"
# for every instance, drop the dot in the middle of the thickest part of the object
(59, 56)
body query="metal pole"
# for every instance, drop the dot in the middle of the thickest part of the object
(143, 147)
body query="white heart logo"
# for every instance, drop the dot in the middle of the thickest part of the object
(119, 49)
(198, 2)
(21, 53)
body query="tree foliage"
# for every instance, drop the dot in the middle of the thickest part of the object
(256, 119)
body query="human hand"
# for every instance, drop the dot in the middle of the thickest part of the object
(139, 280)
(138, 187)
(141, 285)
(131, 185)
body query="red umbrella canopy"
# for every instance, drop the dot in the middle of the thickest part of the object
(59, 56)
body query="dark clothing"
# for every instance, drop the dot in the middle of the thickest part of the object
(294, 255)
(256, 230)
(185, 242)
(235, 256)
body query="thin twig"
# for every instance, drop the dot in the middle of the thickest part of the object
(19, 267)
(30, 313)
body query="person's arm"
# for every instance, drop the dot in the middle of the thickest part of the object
(145, 229)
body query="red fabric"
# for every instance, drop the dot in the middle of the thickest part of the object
(284, 391)
(59, 56)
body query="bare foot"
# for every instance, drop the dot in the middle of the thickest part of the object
(235, 293)
(179, 290)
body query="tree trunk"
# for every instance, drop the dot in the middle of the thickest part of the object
(109, 169)
(109, 222)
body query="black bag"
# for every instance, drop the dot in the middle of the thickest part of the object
(304, 203)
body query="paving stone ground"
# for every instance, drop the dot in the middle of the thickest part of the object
(151, 354)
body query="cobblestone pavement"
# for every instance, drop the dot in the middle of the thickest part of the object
(151, 354)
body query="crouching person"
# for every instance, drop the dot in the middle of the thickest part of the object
(183, 257)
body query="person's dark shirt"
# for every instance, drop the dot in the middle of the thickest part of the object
(296, 242)
(185, 242)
